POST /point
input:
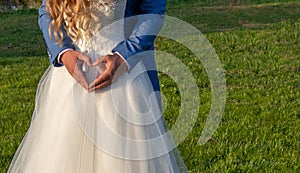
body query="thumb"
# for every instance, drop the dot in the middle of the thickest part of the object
(99, 61)
(85, 58)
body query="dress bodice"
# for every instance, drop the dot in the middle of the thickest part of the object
(107, 30)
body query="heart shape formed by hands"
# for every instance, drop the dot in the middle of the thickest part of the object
(92, 72)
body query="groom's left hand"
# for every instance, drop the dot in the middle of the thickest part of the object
(115, 67)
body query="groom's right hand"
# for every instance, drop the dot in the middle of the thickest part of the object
(73, 61)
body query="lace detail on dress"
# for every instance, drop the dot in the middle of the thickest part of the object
(103, 18)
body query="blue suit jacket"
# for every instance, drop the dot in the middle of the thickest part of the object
(140, 33)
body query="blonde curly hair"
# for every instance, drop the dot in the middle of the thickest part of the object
(75, 16)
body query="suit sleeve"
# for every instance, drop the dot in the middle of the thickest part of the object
(145, 21)
(53, 47)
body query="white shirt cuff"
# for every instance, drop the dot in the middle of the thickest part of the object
(60, 54)
(123, 59)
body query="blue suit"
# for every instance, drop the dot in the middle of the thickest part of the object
(139, 33)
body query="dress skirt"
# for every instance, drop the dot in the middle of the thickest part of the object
(118, 129)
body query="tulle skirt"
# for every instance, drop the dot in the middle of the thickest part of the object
(118, 129)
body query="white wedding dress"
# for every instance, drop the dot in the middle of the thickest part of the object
(118, 129)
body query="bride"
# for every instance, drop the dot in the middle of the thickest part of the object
(98, 106)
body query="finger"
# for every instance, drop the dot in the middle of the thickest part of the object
(100, 86)
(99, 60)
(81, 80)
(101, 79)
(121, 69)
(79, 77)
(102, 68)
(85, 58)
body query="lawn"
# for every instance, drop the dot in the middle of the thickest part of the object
(258, 43)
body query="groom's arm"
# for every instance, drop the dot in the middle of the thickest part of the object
(54, 49)
(144, 21)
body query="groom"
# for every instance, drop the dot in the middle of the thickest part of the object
(139, 38)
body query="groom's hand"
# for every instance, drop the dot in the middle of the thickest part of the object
(115, 67)
(73, 61)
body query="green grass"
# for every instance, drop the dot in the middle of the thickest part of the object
(20, 35)
(223, 18)
(259, 48)
(18, 82)
(211, 3)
